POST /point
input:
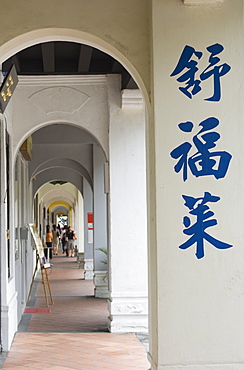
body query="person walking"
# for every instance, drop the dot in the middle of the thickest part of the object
(63, 239)
(49, 238)
(70, 236)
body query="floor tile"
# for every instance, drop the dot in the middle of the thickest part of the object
(74, 334)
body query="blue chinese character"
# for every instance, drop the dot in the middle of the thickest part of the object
(215, 70)
(198, 207)
(203, 162)
(189, 76)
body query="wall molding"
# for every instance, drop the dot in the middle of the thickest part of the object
(132, 99)
(62, 80)
(202, 2)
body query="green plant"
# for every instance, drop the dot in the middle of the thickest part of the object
(104, 250)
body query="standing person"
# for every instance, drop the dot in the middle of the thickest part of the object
(63, 239)
(56, 235)
(70, 235)
(49, 238)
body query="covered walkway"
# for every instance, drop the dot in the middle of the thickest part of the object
(73, 334)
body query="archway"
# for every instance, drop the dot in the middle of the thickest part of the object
(138, 305)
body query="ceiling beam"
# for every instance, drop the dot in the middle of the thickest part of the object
(84, 58)
(48, 57)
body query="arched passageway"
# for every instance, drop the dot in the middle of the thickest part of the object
(96, 141)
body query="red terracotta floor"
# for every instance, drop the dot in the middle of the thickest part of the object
(73, 334)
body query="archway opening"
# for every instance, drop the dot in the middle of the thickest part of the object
(116, 151)
(60, 178)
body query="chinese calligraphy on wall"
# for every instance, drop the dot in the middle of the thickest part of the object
(199, 156)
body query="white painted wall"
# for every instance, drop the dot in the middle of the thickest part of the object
(197, 304)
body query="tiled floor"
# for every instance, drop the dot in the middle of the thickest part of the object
(73, 335)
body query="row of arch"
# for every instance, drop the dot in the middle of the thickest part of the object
(53, 168)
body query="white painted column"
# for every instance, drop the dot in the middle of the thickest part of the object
(197, 319)
(128, 299)
(100, 224)
(88, 239)
(79, 228)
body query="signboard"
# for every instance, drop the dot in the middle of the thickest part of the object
(8, 86)
(90, 227)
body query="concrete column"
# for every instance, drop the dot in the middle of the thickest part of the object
(197, 300)
(128, 299)
(100, 224)
(79, 228)
(88, 239)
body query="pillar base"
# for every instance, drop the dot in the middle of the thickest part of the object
(88, 267)
(9, 322)
(128, 314)
(80, 260)
(101, 284)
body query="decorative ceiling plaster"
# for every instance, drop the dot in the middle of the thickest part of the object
(59, 99)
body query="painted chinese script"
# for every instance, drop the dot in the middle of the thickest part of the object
(192, 78)
(203, 161)
(200, 154)
(204, 219)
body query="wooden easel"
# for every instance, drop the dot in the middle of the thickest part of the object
(45, 283)
(45, 280)
(33, 277)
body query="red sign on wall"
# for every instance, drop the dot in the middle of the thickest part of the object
(90, 218)
(90, 227)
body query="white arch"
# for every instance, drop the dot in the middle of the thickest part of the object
(51, 197)
(70, 35)
(62, 163)
(47, 123)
